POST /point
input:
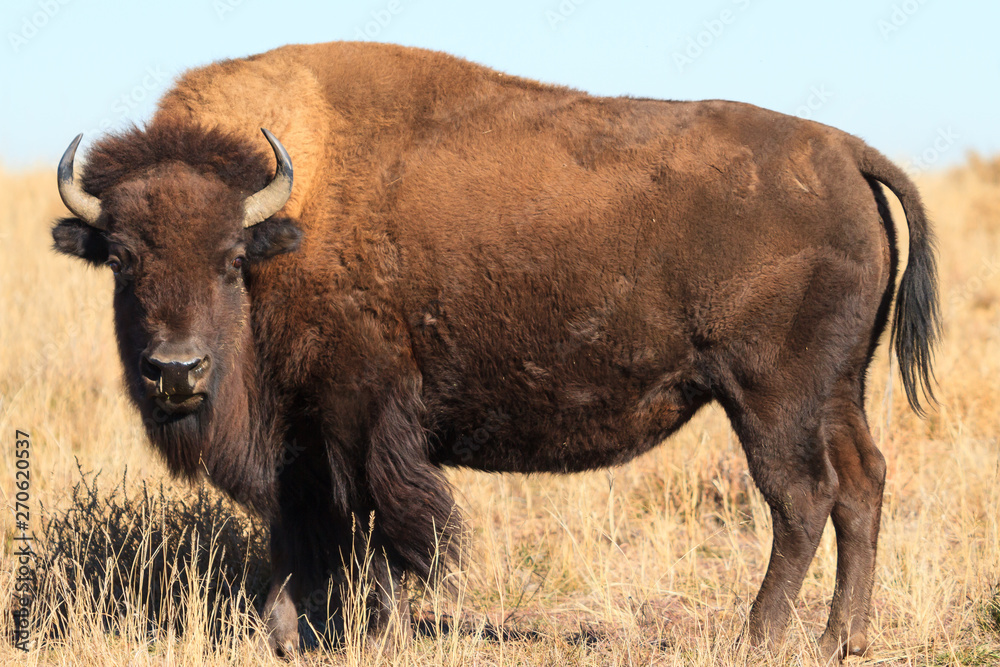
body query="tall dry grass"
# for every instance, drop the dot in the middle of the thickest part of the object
(655, 562)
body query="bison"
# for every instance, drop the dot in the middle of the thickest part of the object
(469, 252)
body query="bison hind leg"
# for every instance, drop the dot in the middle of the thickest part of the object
(856, 517)
(789, 462)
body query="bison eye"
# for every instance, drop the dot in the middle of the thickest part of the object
(238, 263)
(115, 266)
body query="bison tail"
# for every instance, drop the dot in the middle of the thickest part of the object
(916, 323)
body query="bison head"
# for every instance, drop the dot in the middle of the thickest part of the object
(181, 216)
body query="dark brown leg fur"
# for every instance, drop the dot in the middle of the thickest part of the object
(792, 469)
(856, 515)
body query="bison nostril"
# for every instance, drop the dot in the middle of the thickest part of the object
(149, 370)
(200, 367)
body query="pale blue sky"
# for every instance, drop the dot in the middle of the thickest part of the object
(912, 77)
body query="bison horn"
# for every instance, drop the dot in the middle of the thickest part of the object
(267, 202)
(85, 206)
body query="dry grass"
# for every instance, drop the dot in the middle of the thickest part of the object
(655, 562)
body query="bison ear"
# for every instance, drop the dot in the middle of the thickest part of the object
(73, 236)
(274, 236)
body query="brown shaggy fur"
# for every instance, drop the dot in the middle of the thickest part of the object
(480, 270)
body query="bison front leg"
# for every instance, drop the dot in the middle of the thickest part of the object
(309, 542)
(341, 579)
(383, 619)
(280, 614)
(415, 516)
(282, 621)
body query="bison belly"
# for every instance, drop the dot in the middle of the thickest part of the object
(549, 384)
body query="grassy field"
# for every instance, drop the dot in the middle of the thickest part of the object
(655, 562)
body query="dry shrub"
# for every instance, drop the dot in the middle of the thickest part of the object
(140, 559)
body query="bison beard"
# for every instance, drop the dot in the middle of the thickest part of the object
(460, 244)
(229, 439)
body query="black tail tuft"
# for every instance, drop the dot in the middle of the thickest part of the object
(916, 324)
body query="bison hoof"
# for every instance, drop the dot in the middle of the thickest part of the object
(835, 646)
(285, 648)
